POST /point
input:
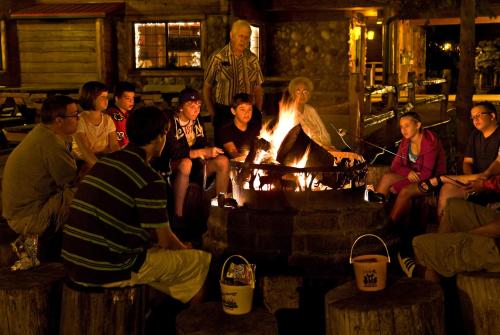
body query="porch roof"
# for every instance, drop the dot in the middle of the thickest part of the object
(68, 11)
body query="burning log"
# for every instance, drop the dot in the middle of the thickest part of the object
(296, 144)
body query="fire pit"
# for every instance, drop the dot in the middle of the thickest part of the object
(270, 186)
(302, 204)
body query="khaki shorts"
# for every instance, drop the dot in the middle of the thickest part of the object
(177, 273)
(54, 211)
(451, 253)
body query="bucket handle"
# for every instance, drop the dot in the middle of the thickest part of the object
(364, 235)
(252, 284)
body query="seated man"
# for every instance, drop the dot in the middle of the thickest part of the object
(471, 245)
(237, 137)
(37, 183)
(118, 233)
(482, 149)
(189, 158)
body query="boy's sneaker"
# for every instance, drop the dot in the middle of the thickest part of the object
(407, 265)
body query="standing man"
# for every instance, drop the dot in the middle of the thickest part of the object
(124, 103)
(118, 232)
(37, 183)
(233, 69)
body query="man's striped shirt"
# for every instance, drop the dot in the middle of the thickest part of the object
(107, 233)
(232, 75)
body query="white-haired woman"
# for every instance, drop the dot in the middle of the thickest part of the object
(300, 90)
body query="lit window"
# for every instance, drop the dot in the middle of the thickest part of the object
(167, 45)
(255, 41)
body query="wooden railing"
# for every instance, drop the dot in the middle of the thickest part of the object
(361, 103)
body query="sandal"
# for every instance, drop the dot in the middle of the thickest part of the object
(426, 186)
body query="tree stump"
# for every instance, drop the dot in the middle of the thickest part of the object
(103, 310)
(409, 306)
(479, 294)
(209, 318)
(30, 300)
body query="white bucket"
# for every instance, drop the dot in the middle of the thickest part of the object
(370, 270)
(236, 299)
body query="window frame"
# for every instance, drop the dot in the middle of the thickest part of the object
(167, 67)
(259, 43)
(3, 47)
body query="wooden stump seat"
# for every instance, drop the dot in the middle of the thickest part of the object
(30, 300)
(118, 311)
(408, 306)
(209, 318)
(479, 294)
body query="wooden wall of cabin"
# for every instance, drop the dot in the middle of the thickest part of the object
(9, 73)
(57, 53)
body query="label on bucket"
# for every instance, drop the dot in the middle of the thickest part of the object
(229, 300)
(370, 278)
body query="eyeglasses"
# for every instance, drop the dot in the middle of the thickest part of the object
(478, 115)
(303, 92)
(69, 116)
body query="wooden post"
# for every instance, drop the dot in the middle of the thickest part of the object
(412, 88)
(30, 300)
(356, 103)
(479, 294)
(99, 49)
(445, 89)
(409, 306)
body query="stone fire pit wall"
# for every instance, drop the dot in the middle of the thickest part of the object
(308, 240)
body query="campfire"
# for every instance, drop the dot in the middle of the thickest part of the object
(285, 159)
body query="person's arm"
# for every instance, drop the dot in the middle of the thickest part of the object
(61, 165)
(113, 142)
(469, 154)
(493, 169)
(168, 240)
(467, 165)
(207, 98)
(431, 154)
(399, 164)
(491, 229)
(205, 153)
(231, 149)
(84, 147)
(259, 97)
(209, 78)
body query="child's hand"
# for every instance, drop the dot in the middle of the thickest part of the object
(413, 176)
(212, 152)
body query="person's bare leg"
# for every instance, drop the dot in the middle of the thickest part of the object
(220, 166)
(431, 275)
(403, 201)
(199, 297)
(181, 183)
(447, 191)
(386, 182)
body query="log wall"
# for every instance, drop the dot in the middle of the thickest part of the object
(65, 53)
